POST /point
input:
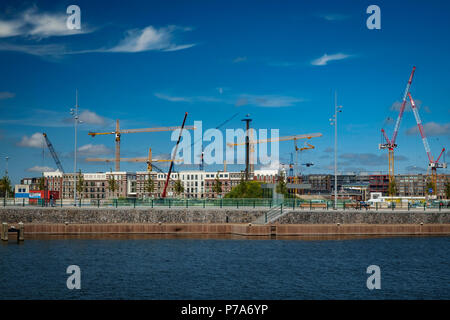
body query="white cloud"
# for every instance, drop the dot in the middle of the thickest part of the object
(56, 119)
(40, 169)
(268, 101)
(431, 129)
(94, 149)
(273, 165)
(396, 106)
(10, 28)
(334, 16)
(172, 98)
(415, 169)
(187, 99)
(323, 60)
(90, 117)
(40, 50)
(150, 38)
(35, 141)
(6, 95)
(36, 24)
(367, 159)
(239, 59)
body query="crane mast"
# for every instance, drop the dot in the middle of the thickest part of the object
(431, 163)
(173, 156)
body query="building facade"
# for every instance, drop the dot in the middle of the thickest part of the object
(199, 184)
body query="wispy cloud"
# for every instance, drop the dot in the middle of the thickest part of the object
(94, 150)
(35, 24)
(396, 106)
(151, 39)
(55, 119)
(239, 59)
(431, 129)
(283, 64)
(40, 169)
(90, 117)
(136, 40)
(172, 98)
(6, 95)
(415, 169)
(334, 16)
(41, 50)
(367, 159)
(268, 101)
(323, 60)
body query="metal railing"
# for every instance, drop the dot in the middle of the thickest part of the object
(287, 203)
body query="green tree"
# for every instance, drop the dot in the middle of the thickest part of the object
(112, 184)
(392, 189)
(150, 185)
(80, 184)
(430, 185)
(41, 183)
(281, 187)
(217, 187)
(5, 187)
(178, 188)
(447, 189)
(246, 189)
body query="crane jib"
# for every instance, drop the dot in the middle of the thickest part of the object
(402, 109)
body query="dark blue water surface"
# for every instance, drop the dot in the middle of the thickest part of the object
(117, 268)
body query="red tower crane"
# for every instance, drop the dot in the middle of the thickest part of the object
(431, 162)
(390, 144)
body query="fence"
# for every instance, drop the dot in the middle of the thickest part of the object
(295, 204)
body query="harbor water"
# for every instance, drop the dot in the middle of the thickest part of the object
(121, 267)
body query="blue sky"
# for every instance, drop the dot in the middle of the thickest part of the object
(148, 62)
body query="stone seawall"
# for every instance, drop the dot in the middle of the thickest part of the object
(366, 217)
(138, 215)
(215, 215)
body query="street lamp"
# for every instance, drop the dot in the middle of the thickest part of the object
(334, 122)
(75, 115)
(6, 177)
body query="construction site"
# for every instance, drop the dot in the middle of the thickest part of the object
(166, 178)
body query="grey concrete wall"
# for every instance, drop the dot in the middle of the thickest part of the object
(215, 215)
(148, 215)
(362, 216)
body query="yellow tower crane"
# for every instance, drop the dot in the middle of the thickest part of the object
(307, 146)
(148, 160)
(118, 132)
(285, 138)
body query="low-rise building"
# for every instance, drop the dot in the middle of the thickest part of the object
(200, 184)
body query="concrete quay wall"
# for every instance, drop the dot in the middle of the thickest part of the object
(239, 229)
(214, 215)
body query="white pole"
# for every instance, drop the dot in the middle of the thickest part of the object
(335, 149)
(6, 175)
(75, 152)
